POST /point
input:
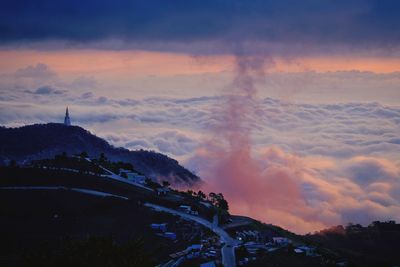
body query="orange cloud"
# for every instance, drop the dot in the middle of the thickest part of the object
(111, 62)
(326, 64)
(133, 62)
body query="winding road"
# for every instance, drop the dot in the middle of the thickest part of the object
(227, 251)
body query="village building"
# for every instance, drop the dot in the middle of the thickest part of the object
(170, 235)
(208, 264)
(162, 191)
(159, 226)
(185, 208)
(281, 241)
(308, 251)
(132, 176)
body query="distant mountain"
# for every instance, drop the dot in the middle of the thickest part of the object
(40, 141)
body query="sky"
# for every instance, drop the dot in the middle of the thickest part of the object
(290, 108)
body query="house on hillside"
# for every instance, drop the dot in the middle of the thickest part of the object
(194, 251)
(159, 226)
(132, 176)
(281, 241)
(206, 204)
(170, 235)
(208, 264)
(308, 251)
(162, 191)
(188, 210)
(185, 208)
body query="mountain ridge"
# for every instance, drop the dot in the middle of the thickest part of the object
(39, 141)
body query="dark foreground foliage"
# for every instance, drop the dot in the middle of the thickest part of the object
(374, 245)
(95, 251)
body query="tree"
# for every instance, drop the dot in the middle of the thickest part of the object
(213, 197)
(103, 157)
(201, 194)
(84, 154)
(61, 157)
(223, 204)
(241, 252)
(12, 163)
(150, 183)
(219, 201)
(165, 184)
(94, 251)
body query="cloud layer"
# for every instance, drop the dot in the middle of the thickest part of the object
(309, 150)
(311, 164)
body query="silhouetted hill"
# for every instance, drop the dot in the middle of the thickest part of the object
(54, 217)
(40, 141)
(374, 245)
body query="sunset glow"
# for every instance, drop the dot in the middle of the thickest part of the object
(127, 63)
(291, 111)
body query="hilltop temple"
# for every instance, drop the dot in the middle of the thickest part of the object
(67, 120)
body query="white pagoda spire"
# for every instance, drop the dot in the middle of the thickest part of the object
(67, 120)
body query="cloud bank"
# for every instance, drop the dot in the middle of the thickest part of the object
(301, 193)
(304, 165)
(311, 164)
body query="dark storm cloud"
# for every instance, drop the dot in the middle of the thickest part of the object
(368, 170)
(46, 90)
(167, 24)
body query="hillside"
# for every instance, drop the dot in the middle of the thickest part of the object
(77, 210)
(75, 214)
(54, 217)
(40, 141)
(374, 245)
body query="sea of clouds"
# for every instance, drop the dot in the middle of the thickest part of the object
(317, 164)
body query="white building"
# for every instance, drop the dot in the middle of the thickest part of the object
(185, 208)
(67, 120)
(159, 226)
(309, 251)
(281, 241)
(162, 191)
(133, 176)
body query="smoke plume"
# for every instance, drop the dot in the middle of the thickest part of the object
(262, 184)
